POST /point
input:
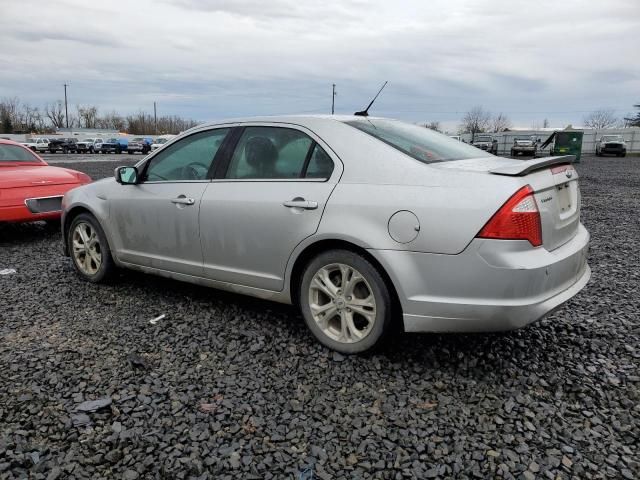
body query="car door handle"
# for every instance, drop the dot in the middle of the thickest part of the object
(306, 204)
(182, 200)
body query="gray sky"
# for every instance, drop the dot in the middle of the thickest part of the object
(211, 59)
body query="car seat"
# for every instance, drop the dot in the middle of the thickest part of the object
(261, 155)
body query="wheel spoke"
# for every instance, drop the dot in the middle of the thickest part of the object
(96, 258)
(354, 280)
(348, 331)
(77, 246)
(93, 239)
(322, 309)
(368, 314)
(322, 282)
(82, 230)
(87, 263)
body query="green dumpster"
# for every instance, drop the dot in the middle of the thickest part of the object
(566, 142)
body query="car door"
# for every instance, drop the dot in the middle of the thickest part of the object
(271, 196)
(156, 220)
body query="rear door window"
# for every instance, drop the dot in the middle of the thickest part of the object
(270, 153)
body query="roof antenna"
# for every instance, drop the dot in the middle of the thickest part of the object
(365, 112)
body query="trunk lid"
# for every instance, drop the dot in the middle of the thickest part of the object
(34, 176)
(555, 185)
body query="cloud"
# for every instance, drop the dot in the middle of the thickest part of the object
(91, 39)
(220, 58)
(276, 9)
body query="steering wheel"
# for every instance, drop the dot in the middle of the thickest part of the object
(194, 171)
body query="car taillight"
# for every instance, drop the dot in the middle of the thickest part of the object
(517, 219)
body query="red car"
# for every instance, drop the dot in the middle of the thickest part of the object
(29, 188)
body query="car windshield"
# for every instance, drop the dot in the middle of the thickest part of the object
(420, 143)
(611, 138)
(88, 140)
(161, 140)
(112, 140)
(483, 139)
(524, 139)
(14, 153)
(137, 139)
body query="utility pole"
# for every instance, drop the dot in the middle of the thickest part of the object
(66, 110)
(333, 99)
(155, 119)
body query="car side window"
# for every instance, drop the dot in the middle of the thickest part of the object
(188, 159)
(269, 153)
(320, 164)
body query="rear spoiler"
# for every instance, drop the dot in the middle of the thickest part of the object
(528, 166)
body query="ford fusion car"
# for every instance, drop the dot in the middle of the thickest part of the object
(365, 223)
(29, 188)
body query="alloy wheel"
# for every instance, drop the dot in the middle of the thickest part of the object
(87, 252)
(342, 303)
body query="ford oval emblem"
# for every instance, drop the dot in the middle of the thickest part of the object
(569, 174)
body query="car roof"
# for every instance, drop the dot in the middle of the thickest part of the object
(304, 120)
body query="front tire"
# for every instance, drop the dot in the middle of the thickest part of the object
(345, 302)
(89, 249)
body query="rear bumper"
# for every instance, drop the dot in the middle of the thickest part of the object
(493, 285)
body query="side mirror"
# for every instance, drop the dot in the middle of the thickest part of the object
(126, 175)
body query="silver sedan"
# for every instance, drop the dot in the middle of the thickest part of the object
(366, 224)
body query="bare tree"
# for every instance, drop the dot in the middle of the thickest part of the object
(112, 121)
(500, 123)
(435, 125)
(55, 113)
(603, 118)
(87, 116)
(476, 120)
(633, 121)
(9, 114)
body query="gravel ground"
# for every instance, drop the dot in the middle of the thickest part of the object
(230, 387)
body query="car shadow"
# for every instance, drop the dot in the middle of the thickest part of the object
(20, 233)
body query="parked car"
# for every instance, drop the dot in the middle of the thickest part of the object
(88, 145)
(613, 144)
(486, 142)
(364, 223)
(524, 146)
(37, 144)
(160, 141)
(115, 145)
(139, 144)
(31, 189)
(64, 145)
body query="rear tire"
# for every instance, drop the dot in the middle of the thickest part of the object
(89, 249)
(345, 302)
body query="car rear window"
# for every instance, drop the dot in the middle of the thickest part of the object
(423, 144)
(13, 153)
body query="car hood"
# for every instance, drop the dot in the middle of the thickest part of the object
(35, 175)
